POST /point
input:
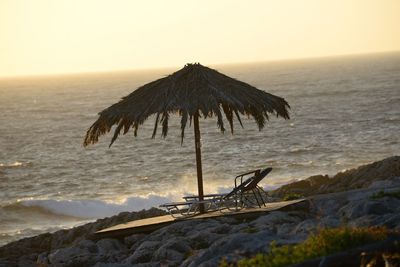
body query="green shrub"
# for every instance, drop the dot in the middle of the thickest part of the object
(382, 194)
(292, 196)
(250, 230)
(325, 242)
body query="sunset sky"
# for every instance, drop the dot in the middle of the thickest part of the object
(56, 36)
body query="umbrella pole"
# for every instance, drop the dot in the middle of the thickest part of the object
(198, 160)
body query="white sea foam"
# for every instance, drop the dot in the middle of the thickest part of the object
(11, 165)
(95, 208)
(91, 208)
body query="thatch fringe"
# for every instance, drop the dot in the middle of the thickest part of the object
(195, 89)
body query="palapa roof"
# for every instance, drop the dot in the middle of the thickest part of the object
(193, 90)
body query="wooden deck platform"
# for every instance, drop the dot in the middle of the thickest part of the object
(154, 223)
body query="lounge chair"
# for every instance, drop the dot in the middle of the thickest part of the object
(252, 189)
(248, 192)
(238, 198)
(237, 178)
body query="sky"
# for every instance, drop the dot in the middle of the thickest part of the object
(72, 36)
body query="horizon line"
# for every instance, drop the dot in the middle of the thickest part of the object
(58, 74)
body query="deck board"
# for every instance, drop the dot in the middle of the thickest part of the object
(151, 224)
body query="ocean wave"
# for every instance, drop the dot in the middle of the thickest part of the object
(10, 235)
(299, 150)
(301, 164)
(15, 164)
(52, 214)
(86, 208)
(392, 120)
(94, 208)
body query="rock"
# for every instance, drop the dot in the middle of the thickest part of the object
(42, 260)
(143, 253)
(363, 221)
(364, 176)
(174, 251)
(238, 228)
(304, 187)
(108, 245)
(327, 206)
(391, 221)
(385, 183)
(173, 230)
(15, 250)
(240, 243)
(340, 259)
(285, 229)
(330, 221)
(133, 239)
(213, 226)
(227, 220)
(28, 260)
(361, 177)
(274, 220)
(202, 239)
(50, 242)
(109, 264)
(85, 254)
(6, 263)
(306, 227)
(357, 209)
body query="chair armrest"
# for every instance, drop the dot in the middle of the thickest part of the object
(256, 172)
(206, 197)
(247, 173)
(174, 204)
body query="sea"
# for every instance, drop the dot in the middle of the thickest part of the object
(345, 112)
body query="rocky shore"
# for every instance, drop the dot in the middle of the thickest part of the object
(377, 174)
(353, 198)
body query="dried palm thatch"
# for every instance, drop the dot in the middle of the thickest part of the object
(192, 91)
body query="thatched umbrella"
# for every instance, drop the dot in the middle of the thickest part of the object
(193, 91)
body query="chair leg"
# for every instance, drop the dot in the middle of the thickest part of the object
(257, 192)
(255, 196)
(262, 192)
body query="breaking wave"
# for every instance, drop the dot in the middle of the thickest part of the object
(86, 209)
(15, 164)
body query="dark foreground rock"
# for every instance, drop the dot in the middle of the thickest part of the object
(207, 242)
(23, 251)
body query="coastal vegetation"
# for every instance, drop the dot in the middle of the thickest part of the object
(382, 194)
(326, 241)
(292, 196)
